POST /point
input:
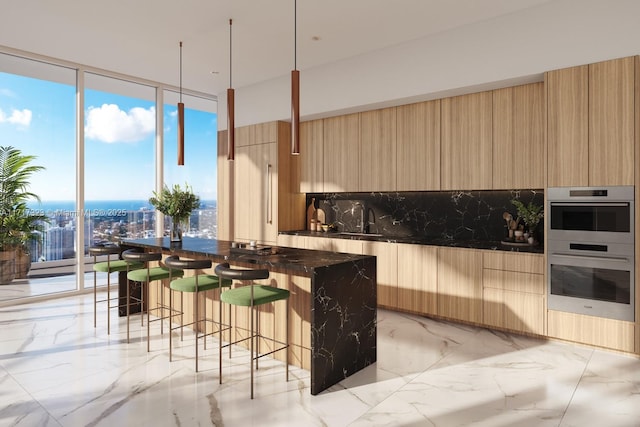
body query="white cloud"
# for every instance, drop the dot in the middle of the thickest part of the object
(17, 117)
(109, 123)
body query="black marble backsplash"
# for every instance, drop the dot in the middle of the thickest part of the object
(449, 215)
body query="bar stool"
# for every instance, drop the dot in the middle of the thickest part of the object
(146, 276)
(109, 266)
(196, 284)
(253, 296)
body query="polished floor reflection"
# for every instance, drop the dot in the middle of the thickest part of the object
(57, 370)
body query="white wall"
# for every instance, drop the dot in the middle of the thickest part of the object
(504, 51)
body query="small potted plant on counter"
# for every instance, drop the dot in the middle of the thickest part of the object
(530, 214)
(177, 203)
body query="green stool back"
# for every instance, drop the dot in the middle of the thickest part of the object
(253, 296)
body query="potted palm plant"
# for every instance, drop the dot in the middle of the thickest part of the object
(18, 224)
(177, 203)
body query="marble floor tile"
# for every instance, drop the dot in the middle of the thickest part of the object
(56, 369)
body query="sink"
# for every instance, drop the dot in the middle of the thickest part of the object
(353, 233)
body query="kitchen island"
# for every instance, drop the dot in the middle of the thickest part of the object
(332, 310)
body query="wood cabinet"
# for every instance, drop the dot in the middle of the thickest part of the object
(265, 182)
(609, 333)
(378, 150)
(611, 122)
(466, 153)
(514, 291)
(335, 245)
(418, 146)
(292, 241)
(567, 127)
(386, 271)
(341, 153)
(518, 137)
(225, 190)
(460, 284)
(311, 156)
(590, 124)
(255, 172)
(418, 278)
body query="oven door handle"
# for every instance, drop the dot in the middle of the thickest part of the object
(594, 204)
(590, 258)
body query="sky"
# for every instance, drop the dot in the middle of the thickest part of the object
(38, 117)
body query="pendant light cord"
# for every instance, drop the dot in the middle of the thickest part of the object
(230, 51)
(295, 34)
(180, 71)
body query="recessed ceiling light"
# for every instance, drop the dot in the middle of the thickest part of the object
(315, 38)
(215, 72)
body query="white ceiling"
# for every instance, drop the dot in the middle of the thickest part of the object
(140, 37)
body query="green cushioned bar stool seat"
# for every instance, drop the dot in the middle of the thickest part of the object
(196, 285)
(262, 294)
(145, 276)
(112, 265)
(154, 273)
(253, 296)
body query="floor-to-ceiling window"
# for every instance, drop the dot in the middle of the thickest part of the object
(121, 143)
(119, 168)
(200, 154)
(38, 117)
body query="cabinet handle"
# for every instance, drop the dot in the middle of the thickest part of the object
(268, 204)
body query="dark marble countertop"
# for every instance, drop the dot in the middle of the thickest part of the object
(471, 244)
(286, 260)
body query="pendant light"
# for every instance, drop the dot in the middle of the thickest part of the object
(180, 119)
(295, 87)
(231, 114)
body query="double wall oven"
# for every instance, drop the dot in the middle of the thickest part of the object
(590, 251)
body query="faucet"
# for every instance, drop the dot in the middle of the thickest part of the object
(360, 224)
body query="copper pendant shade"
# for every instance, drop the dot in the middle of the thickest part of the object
(180, 119)
(295, 87)
(231, 114)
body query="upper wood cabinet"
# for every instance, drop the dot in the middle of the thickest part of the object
(466, 150)
(590, 124)
(611, 122)
(518, 137)
(567, 128)
(378, 150)
(311, 156)
(341, 153)
(418, 146)
(261, 133)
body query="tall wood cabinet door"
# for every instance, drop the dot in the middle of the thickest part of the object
(378, 150)
(341, 153)
(256, 183)
(386, 272)
(611, 122)
(518, 137)
(466, 156)
(460, 284)
(418, 146)
(225, 190)
(311, 156)
(567, 127)
(418, 278)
